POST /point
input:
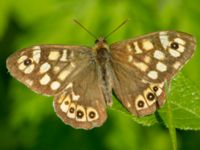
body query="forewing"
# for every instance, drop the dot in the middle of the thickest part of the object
(47, 69)
(144, 64)
(82, 104)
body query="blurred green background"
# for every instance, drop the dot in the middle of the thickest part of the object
(28, 121)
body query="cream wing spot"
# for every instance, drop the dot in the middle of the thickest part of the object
(157, 88)
(147, 59)
(55, 85)
(161, 85)
(56, 69)
(70, 85)
(22, 58)
(64, 55)
(128, 104)
(75, 97)
(65, 104)
(181, 48)
(180, 41)
(73, 64)
(63, 75)
(137, 49)
(29, 69)
(29, 82)
(164, 39)
(147, 45)
(153, 74)
(161, 67)
(61, 98)
(159, 92)
(130, 58)
(45, 67)
(36, 53)
(174, 53)
(45, 79)
(163, 33)
(141, 66)
(128, 47)
(177, 65)
(159, 55)
(36, 48)
(22, 66)
(54, 55)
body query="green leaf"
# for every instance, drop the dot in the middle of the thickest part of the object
(184, 102)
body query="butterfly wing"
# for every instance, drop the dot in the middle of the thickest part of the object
(82, 104)
(144, 64)
(47, 69)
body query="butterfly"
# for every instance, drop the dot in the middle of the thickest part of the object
(82, 79)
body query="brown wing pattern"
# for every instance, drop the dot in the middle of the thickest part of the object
(142, 65)
(82, 103)
(47, 69)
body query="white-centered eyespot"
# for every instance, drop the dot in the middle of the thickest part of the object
(92, 114)
(72, 111)
(140, 103)
(80, 113)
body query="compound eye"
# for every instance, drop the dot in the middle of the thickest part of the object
(96, 41)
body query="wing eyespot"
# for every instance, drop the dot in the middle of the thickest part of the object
(155, 88)
(174, 45)
(27, 62)
(92, 114)
(150, 96)
(140, 103)
(71, 110)
(79, 114)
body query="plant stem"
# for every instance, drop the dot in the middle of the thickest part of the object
(172, 130)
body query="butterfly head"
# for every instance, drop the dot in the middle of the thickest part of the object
(101, 43)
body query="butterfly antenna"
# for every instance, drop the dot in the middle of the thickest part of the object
(90, 33)
(124, 22)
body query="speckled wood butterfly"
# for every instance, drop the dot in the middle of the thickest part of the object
(81, 79)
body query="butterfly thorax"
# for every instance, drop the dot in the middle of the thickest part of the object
(103, 58)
